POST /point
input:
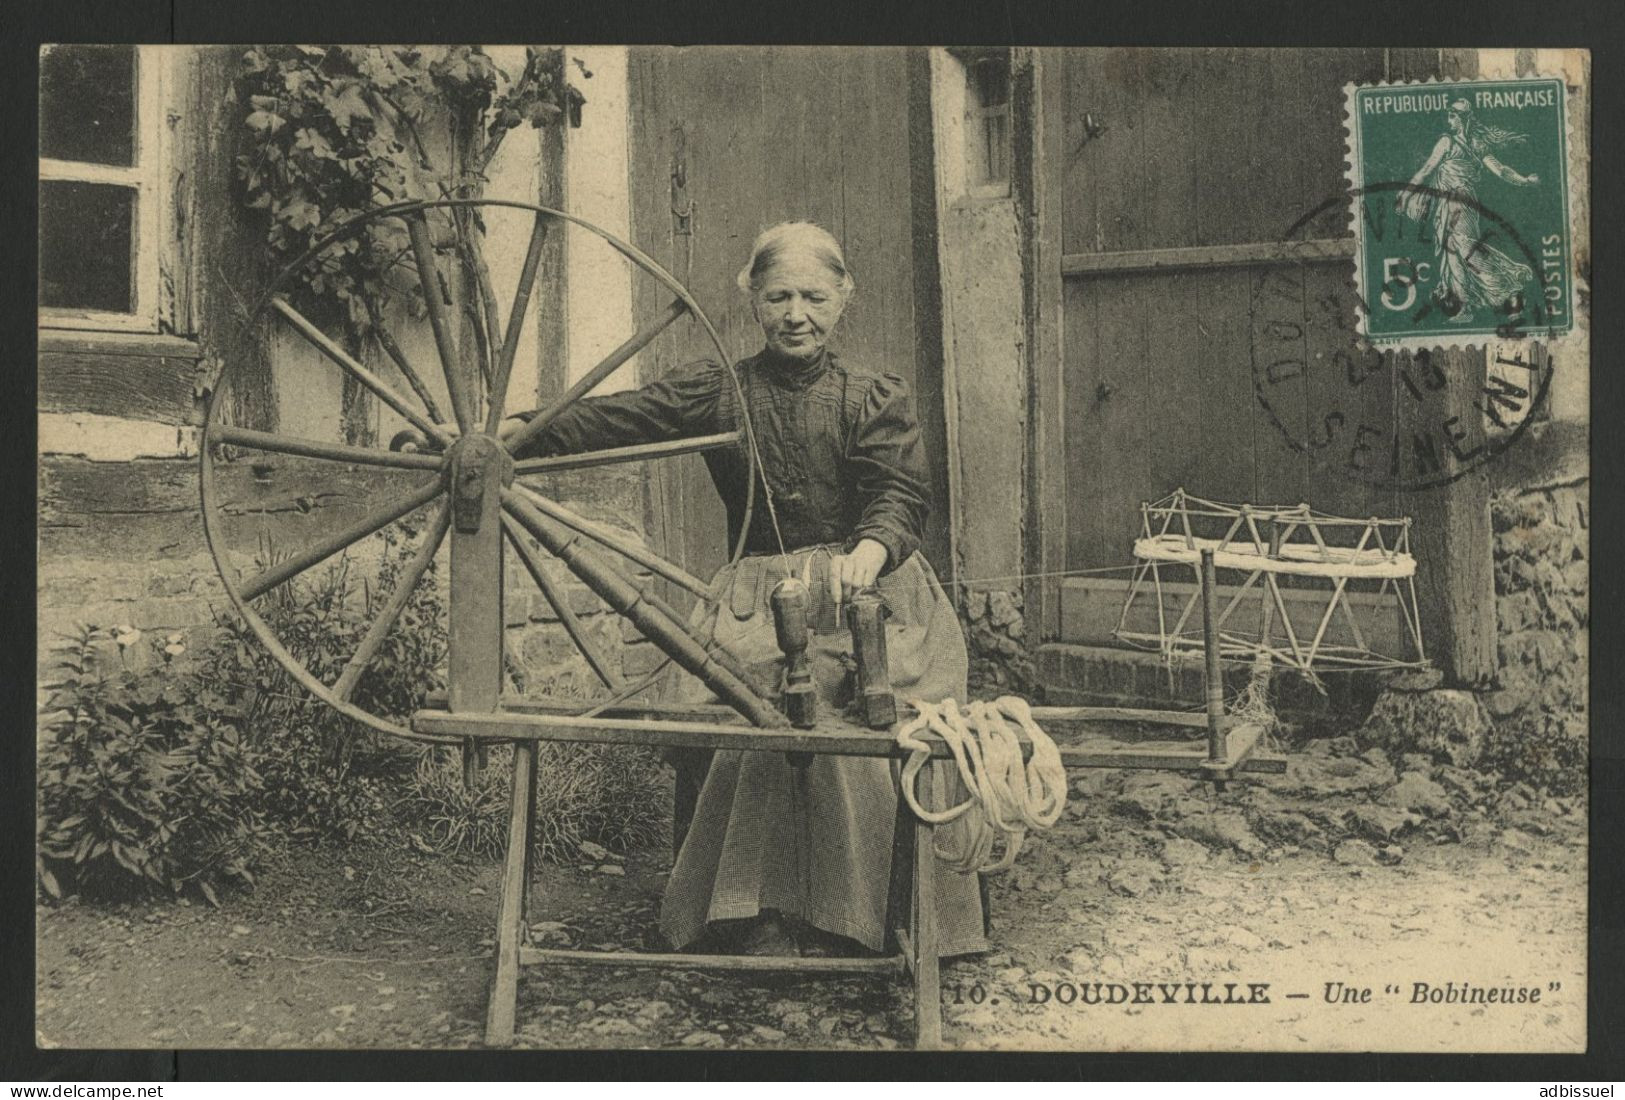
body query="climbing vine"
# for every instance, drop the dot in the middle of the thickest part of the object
(334, 131)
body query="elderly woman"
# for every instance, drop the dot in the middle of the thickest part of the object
(780, 857)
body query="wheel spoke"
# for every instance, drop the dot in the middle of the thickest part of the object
(559, 602)
(670, 634)
(386, 393)
(417, 227)
(637, 453)
(589, 381)
(385, 622)
(623, 546)
(474, 257)
(516, 324)
(375, 521)
(313, 448)
(413, 378)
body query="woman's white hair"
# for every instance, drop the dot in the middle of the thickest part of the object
(785, 237)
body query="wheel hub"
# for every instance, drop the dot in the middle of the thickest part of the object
(475, 465)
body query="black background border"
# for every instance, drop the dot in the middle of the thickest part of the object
(1062, 22)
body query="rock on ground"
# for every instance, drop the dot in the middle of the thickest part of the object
(1221, 829)
(1445, 721)
(1419, 794)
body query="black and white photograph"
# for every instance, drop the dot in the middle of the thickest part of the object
(831, 548)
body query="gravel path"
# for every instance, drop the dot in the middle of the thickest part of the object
(1353, 871)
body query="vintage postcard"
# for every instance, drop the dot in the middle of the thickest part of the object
(769, 548)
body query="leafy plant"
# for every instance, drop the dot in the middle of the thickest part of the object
(315, 782)
(455, 817)
(606, 794)
(334, 131)
(144, 781)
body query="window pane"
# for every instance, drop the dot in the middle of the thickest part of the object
(85, 233)
(996, 171)
(87, 104)
(992, 79)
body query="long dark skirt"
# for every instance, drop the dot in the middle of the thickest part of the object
(816, 842)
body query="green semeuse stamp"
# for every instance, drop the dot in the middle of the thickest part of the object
(1461, 211)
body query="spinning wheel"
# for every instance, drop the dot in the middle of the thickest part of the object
(463, 472)
(468, 479)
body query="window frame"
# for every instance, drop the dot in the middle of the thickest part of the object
(977, 118)
(149, 178)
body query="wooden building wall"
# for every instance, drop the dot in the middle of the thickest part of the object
(1181, 175)
(727, 142)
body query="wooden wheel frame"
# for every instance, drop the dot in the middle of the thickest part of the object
(472, 482)
(482, 508)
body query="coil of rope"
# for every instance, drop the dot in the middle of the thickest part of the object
(1007, 796)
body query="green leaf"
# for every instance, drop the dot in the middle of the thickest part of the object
(312, 142)
(347, 105)
(208, 892)
(48, 880)
(267, 122)
(300, 214)
(541, 112)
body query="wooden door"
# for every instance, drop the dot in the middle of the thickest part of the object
(728, 141)
(1183, 172)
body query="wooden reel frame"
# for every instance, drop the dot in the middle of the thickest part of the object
(1263, 545)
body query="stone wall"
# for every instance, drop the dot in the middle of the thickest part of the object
(121, 544)
(548, 661)
(1542, 604)
(996, 635)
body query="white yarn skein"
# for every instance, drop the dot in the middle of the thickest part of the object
(1008, 795)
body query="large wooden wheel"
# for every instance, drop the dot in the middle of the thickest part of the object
(462, 476)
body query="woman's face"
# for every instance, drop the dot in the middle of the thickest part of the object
(797, 304)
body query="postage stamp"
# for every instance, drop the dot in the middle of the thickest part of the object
(1461, 211)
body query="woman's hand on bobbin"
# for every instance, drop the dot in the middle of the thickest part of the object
(861, 568)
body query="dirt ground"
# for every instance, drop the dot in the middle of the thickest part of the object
(1352, 872)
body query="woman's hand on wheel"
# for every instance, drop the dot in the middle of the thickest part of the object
(861, 568)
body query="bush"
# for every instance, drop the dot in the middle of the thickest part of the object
(144, 782)
(315, 782)
(608, 794)
(605, 794)
(456, 818)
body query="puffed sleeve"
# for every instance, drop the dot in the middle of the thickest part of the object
(684, 402)
(888, 464)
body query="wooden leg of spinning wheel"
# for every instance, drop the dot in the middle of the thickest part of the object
(513, 899)
(927, 983)
(499, 1019)
(530, 842)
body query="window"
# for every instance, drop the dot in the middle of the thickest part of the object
(987, 124)
(100, 179)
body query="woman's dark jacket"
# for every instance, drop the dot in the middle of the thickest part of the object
(840, 447)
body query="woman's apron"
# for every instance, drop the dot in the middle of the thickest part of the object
(815, 842)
